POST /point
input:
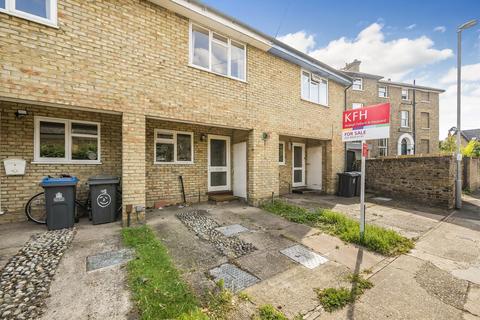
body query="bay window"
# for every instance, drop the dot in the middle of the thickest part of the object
(217, 53)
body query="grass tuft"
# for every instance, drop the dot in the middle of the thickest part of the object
(333, 299)
(157, 288)
(378, 239)
(268, 312)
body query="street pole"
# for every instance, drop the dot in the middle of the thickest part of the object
(362, 193)
(458, 181)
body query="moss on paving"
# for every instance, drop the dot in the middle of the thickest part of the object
(377, 239)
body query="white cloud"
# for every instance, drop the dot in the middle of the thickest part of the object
(299, 40)
(441, 29)
(394, 59)
(470, 99)
(410, 27)
(470, 72)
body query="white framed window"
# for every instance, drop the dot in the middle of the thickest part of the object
(41, 11)
(382, 92)
(314, 88)
(173, 147)
(404, 118)
(66, 141)
(357, 84)
(216, 53)
(357, 105)
(383, 147)
(281, 152)
(404, 94)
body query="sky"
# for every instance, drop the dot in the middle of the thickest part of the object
(405, 41)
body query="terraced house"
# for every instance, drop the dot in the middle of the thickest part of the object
(414, 123)
(153, 90)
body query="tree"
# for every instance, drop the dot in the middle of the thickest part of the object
(472, 149)
(449, 145)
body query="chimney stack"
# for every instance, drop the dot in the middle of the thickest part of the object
(353, 66)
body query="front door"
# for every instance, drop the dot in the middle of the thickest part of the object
(218, 163)
(314, 168)
(240, 170)
(298, 164)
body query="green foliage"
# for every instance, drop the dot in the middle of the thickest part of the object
(157, 288)
(333, 299)
(449, 145)
(52, 151)
(378, 239)
(268, 312)
(472, 149)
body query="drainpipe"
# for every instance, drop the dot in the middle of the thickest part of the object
(345, 144)
(414, 129)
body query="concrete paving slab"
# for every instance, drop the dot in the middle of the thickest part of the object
(472, 304)
(355, 258)
(109, 258)
(323, 243)
(263, 240)
(293, 290)
(297, 232)
(265, 263)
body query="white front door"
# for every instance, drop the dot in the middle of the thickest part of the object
(298, 164)
(240, 170)
(218, 163)
(314, 168)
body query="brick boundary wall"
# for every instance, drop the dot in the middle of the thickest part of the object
(426, 179)
(471, 174)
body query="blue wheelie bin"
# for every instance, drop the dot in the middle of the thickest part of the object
(60, 201)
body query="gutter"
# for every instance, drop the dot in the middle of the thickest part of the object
(345, 158)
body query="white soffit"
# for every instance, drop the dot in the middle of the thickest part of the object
(219, 23)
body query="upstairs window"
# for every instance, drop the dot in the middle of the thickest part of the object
(41, 11)
(404, 118)
(314, 88)
(382, 92)
(216, 53)
(404, 94)
(357, 84)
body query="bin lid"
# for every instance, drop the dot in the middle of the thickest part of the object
(54, 182)
(353, 173)
(103, 179)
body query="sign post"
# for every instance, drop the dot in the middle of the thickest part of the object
(362, 124)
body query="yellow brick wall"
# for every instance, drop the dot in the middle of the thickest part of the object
(131, 56)
(17, 139)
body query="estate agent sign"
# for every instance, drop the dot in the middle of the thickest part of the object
(362, 124)
(367, 123)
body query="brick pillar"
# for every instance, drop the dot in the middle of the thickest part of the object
(133, 168)
(263, 178)
(334, 162)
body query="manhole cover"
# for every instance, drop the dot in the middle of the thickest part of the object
(235, 279)
(381, 199)
(107, 259)
(232, 230)
(304, 256)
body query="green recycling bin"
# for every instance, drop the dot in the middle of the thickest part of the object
(103, 198)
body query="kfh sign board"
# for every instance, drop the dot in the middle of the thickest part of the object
(367, 123)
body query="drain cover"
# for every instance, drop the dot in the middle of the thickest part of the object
(107, 259)
(232, 230)
(381, 199)
(235, 279)
(304, 256)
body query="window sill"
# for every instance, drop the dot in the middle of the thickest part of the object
(384, 97)
(32, 18)
(68, 162)
(173, 163)
(215, 73)
(281, 163)
(315, 103)
(358, 90)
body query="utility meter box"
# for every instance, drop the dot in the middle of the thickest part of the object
(14, 167)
